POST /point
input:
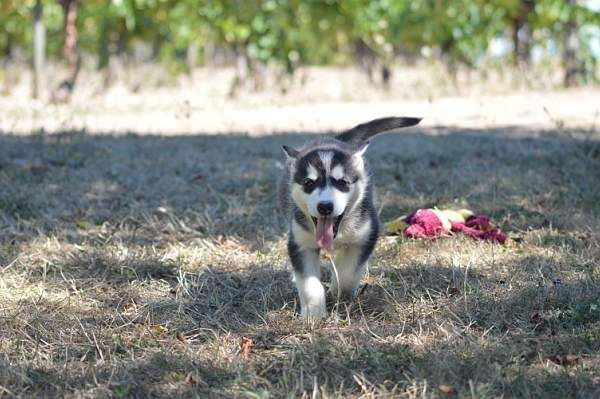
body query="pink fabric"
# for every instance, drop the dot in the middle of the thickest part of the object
(480, 222)
(425, 223)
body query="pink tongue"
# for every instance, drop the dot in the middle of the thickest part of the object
(324, 233)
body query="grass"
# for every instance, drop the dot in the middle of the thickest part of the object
(149, 266)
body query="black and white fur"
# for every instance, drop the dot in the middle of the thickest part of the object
(326, 187)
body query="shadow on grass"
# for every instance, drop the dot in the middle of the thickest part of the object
(157, 375)
(200, 186)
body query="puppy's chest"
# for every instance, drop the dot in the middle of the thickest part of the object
(351, 234)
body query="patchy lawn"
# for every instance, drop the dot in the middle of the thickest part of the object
(149, 266)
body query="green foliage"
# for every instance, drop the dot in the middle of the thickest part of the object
(294, 32)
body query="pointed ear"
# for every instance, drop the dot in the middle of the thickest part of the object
(290, 152)
(360, 149)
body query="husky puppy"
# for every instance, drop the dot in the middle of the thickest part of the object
(328, 196)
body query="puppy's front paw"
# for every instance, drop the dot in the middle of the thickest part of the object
(312, 298)
(313, 312)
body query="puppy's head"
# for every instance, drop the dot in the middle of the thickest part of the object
(327, 180)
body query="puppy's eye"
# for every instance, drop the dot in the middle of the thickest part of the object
(341, 182)
(308, 183)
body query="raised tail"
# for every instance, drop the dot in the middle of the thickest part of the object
(365, 131)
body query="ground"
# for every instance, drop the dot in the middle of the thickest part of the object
(149, 265)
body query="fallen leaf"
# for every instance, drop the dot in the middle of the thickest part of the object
(555, 359)
(230, 244)
(570, 360)
(84, 225)
(190, 379)
(181, 337)
(447, 389)
(246, 347)
(130, 307)
(566, 360)
(158, 329)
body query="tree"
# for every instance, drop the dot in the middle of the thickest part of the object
(65, 89)
(252, 34)
(39, 46)
(571, 61)
(522, 30)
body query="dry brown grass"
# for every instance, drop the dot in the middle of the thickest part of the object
(138, 99)
(134, 266)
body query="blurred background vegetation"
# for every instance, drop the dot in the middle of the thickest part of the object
(282, 35)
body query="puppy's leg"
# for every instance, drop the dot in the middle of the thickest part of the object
(351, 260)
(351, 266)
(307, 275)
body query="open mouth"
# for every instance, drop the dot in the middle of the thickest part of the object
(326, 230)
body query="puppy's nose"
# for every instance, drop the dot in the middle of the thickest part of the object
(325, 208)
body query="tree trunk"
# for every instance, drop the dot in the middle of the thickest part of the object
(526, 43)
(242, 69)
(447, 57)
(7, 50)
(516, 27)
(157, 43)
(191, 56)
(571, 48)
(39, 45)
(70, 46)
(522, 33)
(386, 76)
(103, 43)
(70, 9)
(209, 54)
(366, 58)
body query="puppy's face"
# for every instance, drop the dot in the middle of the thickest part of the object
(325, 183)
